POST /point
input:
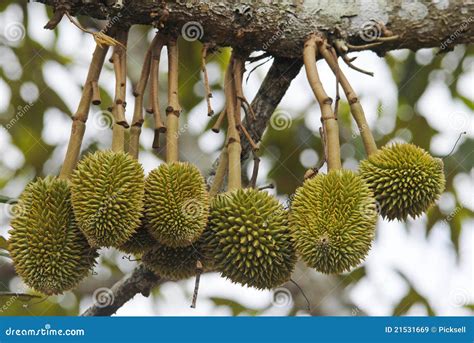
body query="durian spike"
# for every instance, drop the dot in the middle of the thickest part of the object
(233, 146)
(330, 126)
(356, 108)
(118, 110)
(207, 87)
(173, 110)
(138, 119)
(157, 46)
(80, 117)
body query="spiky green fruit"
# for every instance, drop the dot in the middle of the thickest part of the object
(49, 251)
(405, 179)
(140, 242)
(107, 197)
(250, 238)
(332, 221)
(178, 263)
(176, 204)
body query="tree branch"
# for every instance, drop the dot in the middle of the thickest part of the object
(281, 27)
(142, 280)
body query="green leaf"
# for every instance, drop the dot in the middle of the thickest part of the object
(21, 296)
(3, 243)
(235, 307)
(5, 199)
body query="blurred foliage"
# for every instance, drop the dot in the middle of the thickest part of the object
(23, 60)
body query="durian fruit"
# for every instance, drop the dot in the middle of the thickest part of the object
(176, 204)
(181, 262)
(332, 221)
(405, 179)
(140, 242)
(250, 240)
(49, 251)
(107, 197)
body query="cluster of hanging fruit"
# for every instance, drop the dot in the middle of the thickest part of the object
(176, 225)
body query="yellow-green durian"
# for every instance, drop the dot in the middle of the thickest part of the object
(140, 242)
(250, 240)
(48, 250)
(107, 197)
(405, 179)
(176, 204)
(181, 262)
(332, 221)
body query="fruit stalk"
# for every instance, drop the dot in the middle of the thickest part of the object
(330, 126)
(80, 117)
(157, 46)
(118, 110)
(233, 147)
(137, 120)
(173, 110)
(356, 108)
(220, 172)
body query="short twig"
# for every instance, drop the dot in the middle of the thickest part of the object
(269, 186)
(348, 61)
(254, 146)
(256, 165)
(207, 87)
(199, 270)
(157, 46)
(364, 46)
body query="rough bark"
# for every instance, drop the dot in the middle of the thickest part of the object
(141, 281)
(280, 27)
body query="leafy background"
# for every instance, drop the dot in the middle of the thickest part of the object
(421, 267)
